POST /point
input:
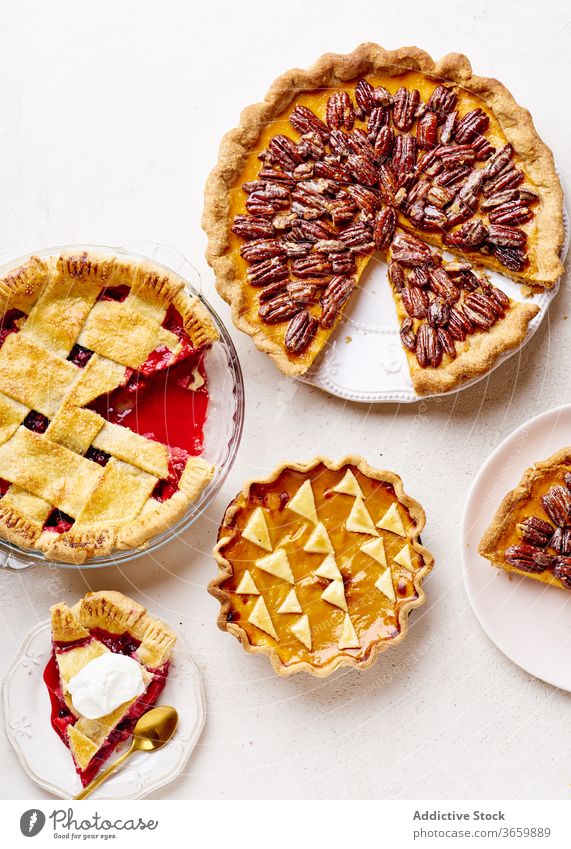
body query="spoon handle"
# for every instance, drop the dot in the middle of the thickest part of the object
(103, 776)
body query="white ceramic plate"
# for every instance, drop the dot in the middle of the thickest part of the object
(46, 759)
(528, 621)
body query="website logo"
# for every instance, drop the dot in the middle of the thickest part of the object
(32, 822)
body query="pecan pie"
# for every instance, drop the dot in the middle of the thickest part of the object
(320, 565)
(390, 152)
(103, 399)
(531, 531)
(85, 636)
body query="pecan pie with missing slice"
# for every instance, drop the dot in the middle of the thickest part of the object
(320, 565)
(531, 531)
(83, 672)
(103, 399)
(349, 157)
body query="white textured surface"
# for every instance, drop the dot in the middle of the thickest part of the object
(111, 117)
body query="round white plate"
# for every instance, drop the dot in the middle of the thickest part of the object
(47, 760)
(528, 621)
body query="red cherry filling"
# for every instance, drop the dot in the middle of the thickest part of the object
(36, 422)
(9, 324)
(58, 522)
(80, 356)
(99, 457)
(114, 293)
(62, 717)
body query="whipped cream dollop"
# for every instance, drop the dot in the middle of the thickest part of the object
(104, 684)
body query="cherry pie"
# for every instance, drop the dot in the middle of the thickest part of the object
(320, 565)
(99, 623)
(103, 399)
(390, 152)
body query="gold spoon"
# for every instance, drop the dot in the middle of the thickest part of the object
(152, 731)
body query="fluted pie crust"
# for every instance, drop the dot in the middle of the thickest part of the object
(509, 123)
(59, 307)
(325, 606)
(521, 502)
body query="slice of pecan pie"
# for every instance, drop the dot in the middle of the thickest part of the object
(531, 531)
(103, 400)
(344, 158)
(83, 673)
(320, 565)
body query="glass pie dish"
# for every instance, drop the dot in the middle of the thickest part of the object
(224, 418)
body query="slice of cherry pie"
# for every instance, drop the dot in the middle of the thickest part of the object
(103, 400)
(84, 637)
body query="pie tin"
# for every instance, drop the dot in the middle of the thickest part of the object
(224, 423)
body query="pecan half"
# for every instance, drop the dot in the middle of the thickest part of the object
(419, 277)
(428, 347)
(483, 148)
(404, 158)
(409, 250)
(365, 96)
(513, 212)
(378, 118)
(459, 325)
(535, 531)
(248, 227)
(562, 571)
(303, 291)
(509, 237)
(442, 285)
(468, 193)
(523, 557)
(499, 199)
(438, 313)
(362, 169)
(396, 275)
(456, 154)
(472, 125)
(340, 113)
(387, 183)
(561, 541)
(498, 162)
(405, 104)
(310, 146)
(426, 130)
(278, 309)
(358, 237)
(342, 210)
(296, 249)
(305, 121)
(448, 127)
(439, 196)
(442, 101)
(385, 226)
(515, 259)
(509, 178)
(334, 298)
(407, 334)
(368, 200)
(338, 142)
(342, 263)
(415, 301)
(557, 504)
(267, 202)
(284, 151)
(481, 310)
(300, 332)
(314, 265)
(331, 168)
(268, 271)
(447, 342)
(451, 176)
(262, 249)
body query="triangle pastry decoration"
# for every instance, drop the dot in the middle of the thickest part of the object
(375, 548)
(256, 530)
(359, 521)
(261, 618)
(403, 558)
(247, 585)
(291, 603)
(348, 638)
(385, 585)
(334, 593)
(302, 631)
(392, 521)
(303, 503)
(319, 542)
(349, 486)
(276, 564)
(329, 569)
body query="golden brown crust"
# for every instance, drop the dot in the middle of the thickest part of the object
(153, 287)
(329, 71)
(225, 569)
(503, 518)
(117, 614)
(478, 358)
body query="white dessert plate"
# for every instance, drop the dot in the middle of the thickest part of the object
(528, 621)
(47, 760)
